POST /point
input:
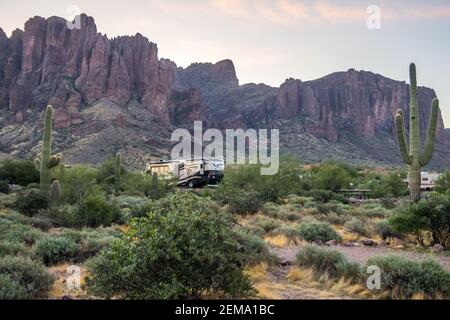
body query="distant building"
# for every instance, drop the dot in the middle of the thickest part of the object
(428, 180)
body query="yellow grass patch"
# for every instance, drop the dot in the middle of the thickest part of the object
(278, 241)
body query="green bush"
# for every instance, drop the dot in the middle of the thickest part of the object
(76, 181)
(317, 231)
(269, 188)
(91, 241)
(333, 176)
(183, 247)
(30, 202)
(411, 277)
(22, 172)
(106, 172)
(333, 218)
(443, 183)
(358, 226)
(253, 248)
(57, 249)
(266, 223)
(287, 230)
(431, 215)
(332, 262)
(385, 230)
(9, 248)
(23, 278)
(19, 233)
(240, 201)
(66, 215)
(10, 289)
(96, 210)
(4, 187)
(321, 196)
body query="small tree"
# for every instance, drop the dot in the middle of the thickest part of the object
(184, 247)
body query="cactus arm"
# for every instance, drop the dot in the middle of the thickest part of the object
(37, 164)
(54, 160)
(431, 133)
(414, 129)
(401, 137)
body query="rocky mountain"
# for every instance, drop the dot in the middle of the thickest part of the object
(116, 94)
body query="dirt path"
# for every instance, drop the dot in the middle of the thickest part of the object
(362, 254)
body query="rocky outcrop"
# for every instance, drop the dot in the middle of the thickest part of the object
(48, 63)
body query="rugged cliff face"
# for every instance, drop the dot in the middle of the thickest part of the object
(115, 94)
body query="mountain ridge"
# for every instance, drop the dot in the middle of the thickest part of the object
(109, 92)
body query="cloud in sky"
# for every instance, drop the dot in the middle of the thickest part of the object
(286, 12)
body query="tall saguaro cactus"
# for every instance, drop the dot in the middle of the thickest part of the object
(117, 172)
(46, 161)
(412, 156)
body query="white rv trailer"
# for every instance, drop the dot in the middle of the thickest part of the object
(189, 172)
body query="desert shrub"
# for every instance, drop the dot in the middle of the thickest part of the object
(271, 209)
(296, 199)
(106, 172)
(287, 230)
(22, 172)
(66, 215)
(7, 200)
(387, 203)
(266, 223)
(333, 218)
(138, 183)
(91, 241)
(23, 278)
(30, 202)
(357, 225)
(76, 181)
(321, 196)
(253, 248)
(431, 215)
(332, 176)
(9, 248)
(96, 210)
(141, 210)
(185, 246)
(41, 222)
(10, 289)
(254, 229)
(269, 188)
(4, 186)
(411, 277)
(325, 260)
(239, 201)
(376, 212)
(442, 184)
(390, 185)
(19, 233)
(385, 230)
(332, 206)
(317, 231)
(56, 249)
(283, 212)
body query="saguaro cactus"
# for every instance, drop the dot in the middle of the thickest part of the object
(412, 156)
(117, 172)
(55, 194)
(46, 161)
